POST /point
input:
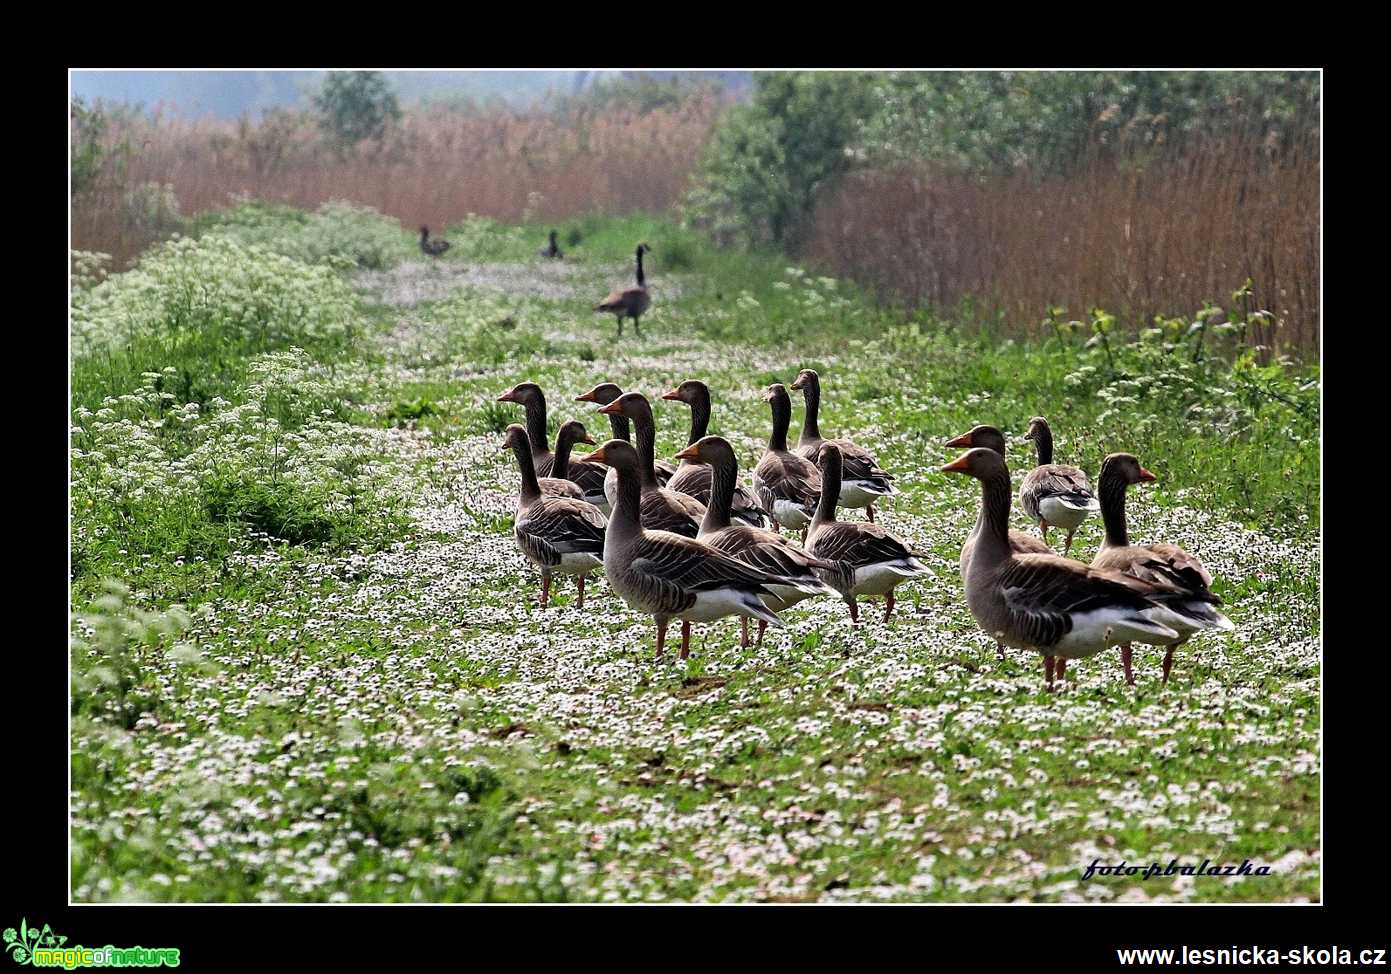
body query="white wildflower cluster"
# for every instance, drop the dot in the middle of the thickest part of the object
(188, 286)
(338, 234)
(89, 268)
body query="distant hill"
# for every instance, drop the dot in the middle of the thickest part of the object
(231, 94)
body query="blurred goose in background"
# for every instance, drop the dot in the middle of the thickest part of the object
(694, 477)
(1052, 494)
(864, 482)
(551, 252)
(867, 559)
(1182, 585)
(1020, 543)
(670, 576)
(1054, 606)
(662, 509)
(629, 302)
(787, 486)
(751, 545)
(559, 535)
(432, 248)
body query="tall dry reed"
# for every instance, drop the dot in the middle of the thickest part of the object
(436, 167)
(1138, 239)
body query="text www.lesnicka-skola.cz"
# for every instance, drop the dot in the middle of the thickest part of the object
(1327, 956)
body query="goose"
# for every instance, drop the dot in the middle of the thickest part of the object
(864, 481)
(533, 400)
(868, 560)
(1184, 585)
(1054, 606)
(630, 302)
(603, 394)
(671, 576)
(553, 251)
(1019, 542)
(787, 485)
(580, 477)
(432, 248)
(750, 544)
(559, 535)
(1052, 494)
(694, 477)
(662, 509)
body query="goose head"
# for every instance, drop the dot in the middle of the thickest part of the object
(634, 405)
(516, 439)
(1038, 426)
(689, 392)
(708, 449)
(977, 462)
(604, 393)
(617, 454)
(524, 393)
(807, 379)
(574, 432)
(988, 437)
(1126, 467)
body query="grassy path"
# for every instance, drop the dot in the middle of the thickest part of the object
(400, 722)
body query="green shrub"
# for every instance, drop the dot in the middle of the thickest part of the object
(339, 234)
(185, 289)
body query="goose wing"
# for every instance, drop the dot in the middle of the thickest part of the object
(672, 569)
(788, 477)
(858, 544)
(1043, 593)
(564, 525)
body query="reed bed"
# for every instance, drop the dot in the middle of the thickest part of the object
(1139, 237)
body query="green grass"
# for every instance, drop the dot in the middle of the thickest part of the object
(365, 703)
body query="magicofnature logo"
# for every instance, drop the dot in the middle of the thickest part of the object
(41, 947)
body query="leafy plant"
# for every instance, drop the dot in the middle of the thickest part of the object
(356, 105)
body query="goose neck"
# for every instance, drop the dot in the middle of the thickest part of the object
(1110, 491)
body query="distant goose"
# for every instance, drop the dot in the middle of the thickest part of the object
(788, 486)
(1020, 543)
(670, 576)
(868, 560)
(1053, 494)
(1051, 605)
(662, 509)
(864, 481)
(559, 535)
(1182, 585)
(631, 302)
(553, 251)
(695, 477)
(752, 545)
(432, 248)
(603, 394)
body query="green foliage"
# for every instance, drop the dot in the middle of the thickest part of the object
(767, 161)
(338, 234)
(91, 155)
(186, 288)
(356, 105)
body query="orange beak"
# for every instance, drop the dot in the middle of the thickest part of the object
(612, 407)
(589, 439)
(673, 394)
(506, 397)
(963, 440)
(1145, 475)
(598, 456)
(690, 453)
(586, 397)
(798, 382)
(960, 465)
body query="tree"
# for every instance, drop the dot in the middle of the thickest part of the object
(356, 105)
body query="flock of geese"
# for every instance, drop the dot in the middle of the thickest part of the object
(690, 543)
